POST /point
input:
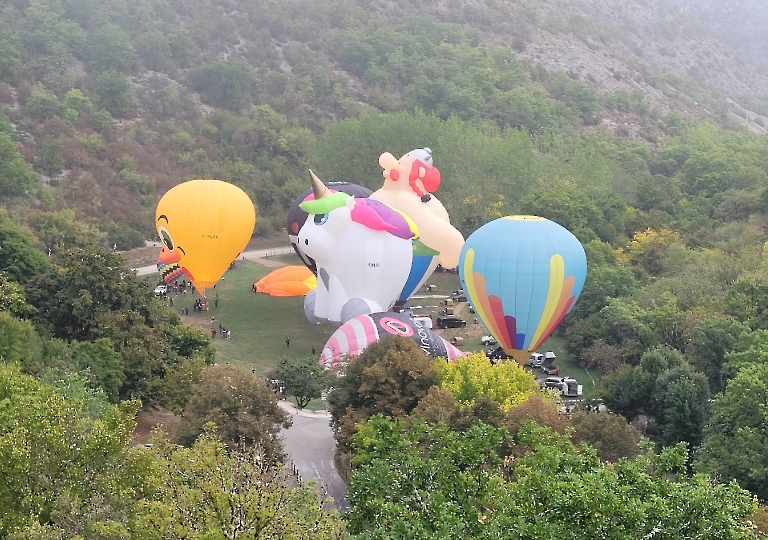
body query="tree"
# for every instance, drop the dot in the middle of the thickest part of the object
(19, 258)
(711, 341)
(109, 48)
(602, 284)
(303, 378)
(53, 452)
(735, 443)
(225, 84)
(417, 481)
(61, 230)
(102, 364)
(111, 89)
(212, 490)
(473, 376)
(240, 407)
(50, 159)
(16, 176)
(12, 298)
(389, 377)
(609, 434)
(86, 283)
(20, 344)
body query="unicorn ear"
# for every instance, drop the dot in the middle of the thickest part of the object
(351, 202)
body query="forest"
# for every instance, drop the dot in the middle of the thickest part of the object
(107, 104)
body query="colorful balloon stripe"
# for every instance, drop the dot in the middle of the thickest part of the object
(554, 293)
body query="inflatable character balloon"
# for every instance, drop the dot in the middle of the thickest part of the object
(522, 275)
(408, 186)
(363, 252)
(297, 217)
(203, 225)
(355, 335)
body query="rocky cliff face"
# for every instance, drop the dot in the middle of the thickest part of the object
(698, 57)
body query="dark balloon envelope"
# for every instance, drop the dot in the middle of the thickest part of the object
(355, 335)
(297, 216)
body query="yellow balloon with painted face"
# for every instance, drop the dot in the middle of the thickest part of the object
(203, 225)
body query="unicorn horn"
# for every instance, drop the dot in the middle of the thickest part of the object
(318, 188)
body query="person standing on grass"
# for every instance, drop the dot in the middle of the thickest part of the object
(288, 342)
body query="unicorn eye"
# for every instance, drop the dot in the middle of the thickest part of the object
(320, 219)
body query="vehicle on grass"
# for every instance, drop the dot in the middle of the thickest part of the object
(161, 290)
(450, 322)
(535, 360)
(567, 386)
(550, 369)
(546, 364)
(488, 340)
(496, 353)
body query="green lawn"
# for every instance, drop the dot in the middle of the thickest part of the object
(260, 323)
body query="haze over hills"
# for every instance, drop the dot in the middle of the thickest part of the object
(243, 90)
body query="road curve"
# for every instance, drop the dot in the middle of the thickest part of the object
(310, 446)
(247, 255)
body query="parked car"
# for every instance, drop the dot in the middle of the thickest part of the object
(496, 353)
(567, 386)
(161, 290)
(450, 322)
(553, 382)
(550, 369)
(488, 340)
(535, 360)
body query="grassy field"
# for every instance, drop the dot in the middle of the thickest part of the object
(260, 324)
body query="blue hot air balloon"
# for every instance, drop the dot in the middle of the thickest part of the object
(522, 275)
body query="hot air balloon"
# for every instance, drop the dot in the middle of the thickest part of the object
(297, 216)
(363, 251)
(204, 225)
(408, 183)
(355, 335)
(522, 275)
(287, 281)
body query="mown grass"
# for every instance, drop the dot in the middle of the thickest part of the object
(260, 324)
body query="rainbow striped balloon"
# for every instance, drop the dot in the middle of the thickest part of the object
(522, 275)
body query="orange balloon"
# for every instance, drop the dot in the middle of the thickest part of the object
(287, 281)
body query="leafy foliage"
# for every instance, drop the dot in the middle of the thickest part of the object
(239, 407)
(474, 376)
(389, 377)
(302, 377)
(417, 481)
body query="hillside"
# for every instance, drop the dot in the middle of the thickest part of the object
(108, 105)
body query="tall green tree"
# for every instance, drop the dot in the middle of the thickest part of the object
(53, 452)
(304, 378)
(418, 481)
(240, 407)
(389, 377)
(16, 175)
(735, 443)
(214, 490)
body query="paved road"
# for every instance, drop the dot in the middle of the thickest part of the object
(310, 445)
(247, 255)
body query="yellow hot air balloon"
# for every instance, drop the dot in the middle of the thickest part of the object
(203, 225)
